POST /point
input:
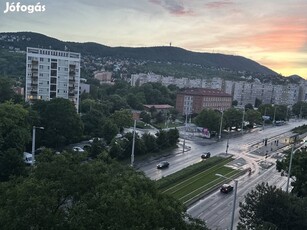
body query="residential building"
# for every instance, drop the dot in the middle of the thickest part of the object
(194, 100)
(104, 77)
(51, 74)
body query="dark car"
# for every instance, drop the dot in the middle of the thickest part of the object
(205, 155)
(226, 188)
(163, 164)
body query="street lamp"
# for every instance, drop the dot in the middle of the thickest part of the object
(220, 134)
(234, 199)
(243, 121)
(185, 130)
(264, 117)
(290, 165)
(33, 142)
(133, 144)
(274, 114)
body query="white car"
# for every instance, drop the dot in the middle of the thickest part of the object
(27, 158)
(78, 149)
(94, 138)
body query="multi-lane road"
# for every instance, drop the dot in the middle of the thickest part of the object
(249, 151)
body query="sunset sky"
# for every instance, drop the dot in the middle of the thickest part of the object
(271, 32)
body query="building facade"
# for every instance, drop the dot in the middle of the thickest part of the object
(51, 74)
(194, 100)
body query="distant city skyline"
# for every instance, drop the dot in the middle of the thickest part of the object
(272, 33)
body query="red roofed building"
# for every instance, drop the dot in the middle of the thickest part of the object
(159, 108)
(194, 100)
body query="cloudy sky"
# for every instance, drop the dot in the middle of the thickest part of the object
(271, 32)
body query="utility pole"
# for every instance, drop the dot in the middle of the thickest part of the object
(227, 145)
(133, 143)
(185, 131)
(220, 134)
(243, 121)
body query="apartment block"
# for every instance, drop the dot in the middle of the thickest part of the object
(51, 74)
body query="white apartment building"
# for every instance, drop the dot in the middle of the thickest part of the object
(51, 74)
(244, 92)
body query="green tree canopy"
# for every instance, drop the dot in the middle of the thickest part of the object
(209, 119)
(267, 207)
(64, 192)
(14, 127)
(233, 118)
(61, 122)
(298, 170)
(14, 135)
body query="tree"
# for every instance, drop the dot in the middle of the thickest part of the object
(298, 171)
(300, 109)
(93, 122)
(14, 127)
(267, 207)
(173, 136)
(209, 119)
(258, 102)
(65, 192)
(150, 143)
(109, 130)
(253, 117)
(134, 102)
(122, 118)
(145, 116)
(162, 139)
(6, 91)
(61, 122)
(233, 118)
(248, 106)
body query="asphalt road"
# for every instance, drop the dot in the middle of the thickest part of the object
(248, 150)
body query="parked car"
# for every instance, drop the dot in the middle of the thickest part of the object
(226, 188)
(205, 155)
(163, 164)
(78, 149)
(27, 158)
(94, 138)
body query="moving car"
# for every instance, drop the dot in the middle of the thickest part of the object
(226, 188)
(205, 155)
(163, 164)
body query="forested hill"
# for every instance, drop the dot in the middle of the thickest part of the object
(162, 53)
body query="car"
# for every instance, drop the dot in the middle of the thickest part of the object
(27, 158)
(163, 164)
(205, 155)
(94, 138)
(77, 149)
(226, 188)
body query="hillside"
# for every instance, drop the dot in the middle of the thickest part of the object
(21, 40)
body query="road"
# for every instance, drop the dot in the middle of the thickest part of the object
(248, 150)
(238, 147)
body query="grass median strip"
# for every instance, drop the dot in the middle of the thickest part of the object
(193, 184)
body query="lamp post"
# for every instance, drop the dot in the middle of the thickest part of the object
(33, 142)
(185, 130)
(133, 144)
(227, 143)
(234, 199)
(264, 118)
(220, 134)
(274, 114)
(290, 165)
(243, 121)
